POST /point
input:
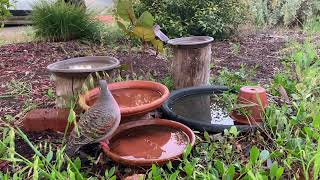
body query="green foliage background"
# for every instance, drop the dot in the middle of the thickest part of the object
(283, 12)
(4, 9)
(216, 18)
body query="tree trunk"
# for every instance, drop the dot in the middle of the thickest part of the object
(190, 66)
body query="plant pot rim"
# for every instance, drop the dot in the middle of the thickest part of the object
(56, 67)
(148, 162)
(131, 111)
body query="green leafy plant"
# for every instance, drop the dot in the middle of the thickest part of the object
(4, 10)
(142, 27)
(60, 21)
(216, 18)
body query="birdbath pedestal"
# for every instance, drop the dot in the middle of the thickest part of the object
(69, 75)
(192, 56)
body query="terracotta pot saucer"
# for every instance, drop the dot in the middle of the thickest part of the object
(147, 142)
(135, 98)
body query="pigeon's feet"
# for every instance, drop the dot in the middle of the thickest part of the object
(105, 144)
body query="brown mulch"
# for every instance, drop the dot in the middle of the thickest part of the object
(26, 62)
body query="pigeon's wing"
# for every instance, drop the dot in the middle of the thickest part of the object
(94, 126)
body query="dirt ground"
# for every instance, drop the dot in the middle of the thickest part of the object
(27, 62)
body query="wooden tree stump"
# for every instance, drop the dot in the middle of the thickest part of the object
(70, 74)
(191, 64)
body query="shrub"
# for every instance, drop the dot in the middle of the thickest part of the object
(216, 18)
(60, 21)
(4, 9)
(283, 12)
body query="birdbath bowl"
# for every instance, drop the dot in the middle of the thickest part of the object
(147, 142)
(201, 108)
(70, 74)
(135, 98)
(191, 64)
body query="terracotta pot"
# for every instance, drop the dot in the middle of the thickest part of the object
(46, 119)
(256, 100)
(147, 142)
(135, 98)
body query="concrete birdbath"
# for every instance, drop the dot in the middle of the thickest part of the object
(192, 57)
(135, 98)
(69, 75)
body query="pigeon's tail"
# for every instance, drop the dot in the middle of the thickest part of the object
(71, 149)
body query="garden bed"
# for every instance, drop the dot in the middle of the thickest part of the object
(26, 63)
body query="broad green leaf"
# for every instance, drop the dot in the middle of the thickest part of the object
(145, 20)
(154, 170)
(158, 45)
(77, 163)
(219, 166)
(188, 169)
(146, 34)
(251, 175)
(125, 10)
(279, 173)
(174, 175)
(274, 169)
(111, 171)
(254, 154)
(264, 155)
(230, 172)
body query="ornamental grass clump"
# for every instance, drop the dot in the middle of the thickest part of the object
(60, 21)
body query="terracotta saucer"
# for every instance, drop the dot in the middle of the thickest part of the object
(147, 142)
(122, 90)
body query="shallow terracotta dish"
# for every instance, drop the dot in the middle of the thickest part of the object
(46, 119)
(147, 142)
(135, 98)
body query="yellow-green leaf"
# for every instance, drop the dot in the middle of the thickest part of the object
(158, 45)
(146, 34)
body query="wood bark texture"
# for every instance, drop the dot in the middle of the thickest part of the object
(190, 66)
